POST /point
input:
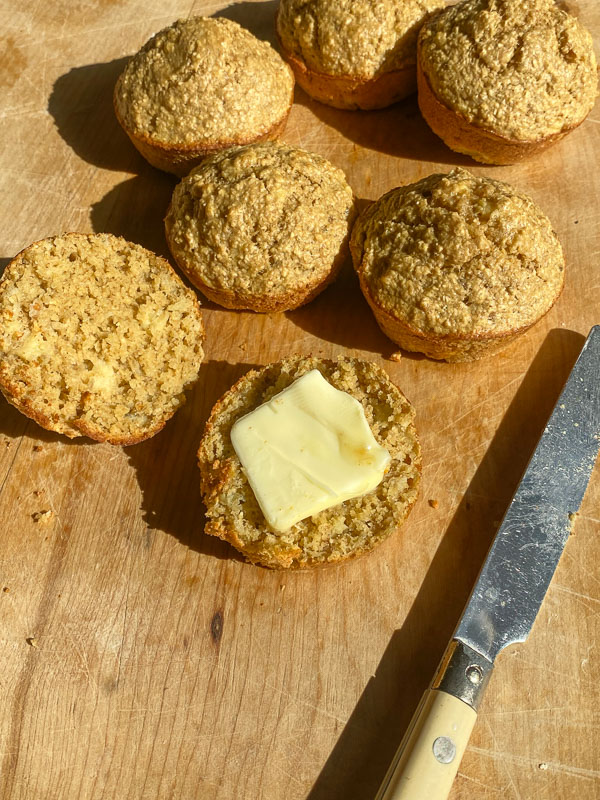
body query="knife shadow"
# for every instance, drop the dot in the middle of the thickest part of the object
(366, 746)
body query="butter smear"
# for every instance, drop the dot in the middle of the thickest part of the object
(307, 449)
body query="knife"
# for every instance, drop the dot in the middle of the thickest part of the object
(509, 590)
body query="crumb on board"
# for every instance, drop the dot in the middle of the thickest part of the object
(434, 503)
(543, 765)
(43, 517)
(5, 589)
(397, 356)
(572, 520)
(37, 448)
(31, 641)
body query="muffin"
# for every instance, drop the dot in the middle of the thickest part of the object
(456, 266)
(199, 86)
(353, 53)
(264, 227)
(99, 337)
(341, 532)
(502, 80)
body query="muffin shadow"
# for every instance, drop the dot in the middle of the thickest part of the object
(398, 130)
(135, 209)
(82, 107)
(167, 470)
(258, 18)
(327, 316)
(366, 746)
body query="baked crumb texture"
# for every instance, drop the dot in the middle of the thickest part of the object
(501, 80)
(264, 227)
(456, 266)
(199, 86)
(344, 531)
(99, 337)
(353, 53)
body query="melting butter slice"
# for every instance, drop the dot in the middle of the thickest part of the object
(307, 449)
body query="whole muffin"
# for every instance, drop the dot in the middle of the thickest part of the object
(199, 86)
(501, 80)
(353, 53)
(456, 266)
(263, 227)
(338, 533)
(98, 337)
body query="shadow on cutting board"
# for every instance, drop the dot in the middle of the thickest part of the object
(328, 315)
(398, 130)
(135, 209)
(371, 736)
(82, 107)
(167, 468)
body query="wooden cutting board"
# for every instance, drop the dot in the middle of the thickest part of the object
(140, 659)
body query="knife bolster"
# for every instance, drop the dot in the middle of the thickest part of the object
(463, 673)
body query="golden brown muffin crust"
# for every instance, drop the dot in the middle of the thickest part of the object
(458, 256)
(359, 38)
(335, 534)
(203, 80)
(261, 227)
(98, 337)
(523, 69)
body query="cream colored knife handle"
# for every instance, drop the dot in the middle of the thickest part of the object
(428, 758)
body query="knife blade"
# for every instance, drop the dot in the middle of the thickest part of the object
(510, 588)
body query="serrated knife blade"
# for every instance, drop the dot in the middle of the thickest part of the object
(510, 588)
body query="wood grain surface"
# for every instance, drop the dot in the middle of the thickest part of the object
(138, 658)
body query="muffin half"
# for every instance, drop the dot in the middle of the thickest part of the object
(99, 337)
(335, 534)
(199, 86)
(456, 266)
(353, 53)
(501, 80)
(264, 227)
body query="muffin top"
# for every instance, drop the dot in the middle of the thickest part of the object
(336, 533)
(203, 80)
(265, 220)
(98, 337)
(361, 38)
(459, 255)
(523, 69)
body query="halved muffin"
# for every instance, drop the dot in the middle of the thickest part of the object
(335, 534)
(99, 337)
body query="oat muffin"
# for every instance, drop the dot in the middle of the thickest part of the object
(199, 86)
(99, 337)
(337, 533)
(456, 266)
(502, 80)
(353, 53)
(264, 227)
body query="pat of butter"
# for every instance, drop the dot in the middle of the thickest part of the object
(307, 449)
